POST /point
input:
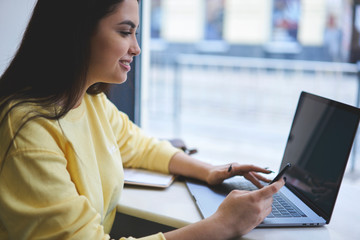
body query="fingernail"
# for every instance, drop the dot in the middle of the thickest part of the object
(284, 179)
(229, 169)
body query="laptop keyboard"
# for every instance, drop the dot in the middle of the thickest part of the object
(281, 206)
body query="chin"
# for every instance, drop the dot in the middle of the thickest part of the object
(119, 80)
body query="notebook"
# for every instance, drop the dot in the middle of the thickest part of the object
(318, 148)
(146, 178)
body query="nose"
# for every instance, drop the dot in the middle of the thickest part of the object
(135, 48)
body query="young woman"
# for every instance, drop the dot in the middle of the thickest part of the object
(64, 144)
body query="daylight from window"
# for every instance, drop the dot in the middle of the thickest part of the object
(226, 75)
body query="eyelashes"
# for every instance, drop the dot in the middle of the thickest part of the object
(125, 33)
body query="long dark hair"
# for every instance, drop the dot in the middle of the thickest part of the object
(51, 64)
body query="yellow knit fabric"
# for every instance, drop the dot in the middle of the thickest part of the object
(62, 179)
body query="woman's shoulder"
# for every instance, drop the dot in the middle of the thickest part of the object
(100, 98)
(21, 110)
(26, 126)
(102, 101)
(16, 110)
(104, 107)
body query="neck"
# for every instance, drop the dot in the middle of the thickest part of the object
(78, 103)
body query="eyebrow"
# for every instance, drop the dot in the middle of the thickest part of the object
(128, 22)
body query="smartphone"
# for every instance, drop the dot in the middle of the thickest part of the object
(281, 173)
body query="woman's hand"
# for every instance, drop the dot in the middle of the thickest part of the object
(185, 165)
(242, 211)
(239, 213)
(218, 174)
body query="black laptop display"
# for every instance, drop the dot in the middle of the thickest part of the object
(318, 148)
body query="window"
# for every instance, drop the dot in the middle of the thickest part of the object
(226, 75)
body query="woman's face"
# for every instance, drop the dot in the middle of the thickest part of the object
(114, 44)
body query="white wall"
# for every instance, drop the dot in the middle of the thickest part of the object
(14, 15)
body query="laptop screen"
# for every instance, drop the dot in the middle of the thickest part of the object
(318, 148)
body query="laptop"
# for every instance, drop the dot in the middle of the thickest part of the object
(318, 148)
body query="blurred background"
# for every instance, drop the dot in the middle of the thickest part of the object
(226, 75)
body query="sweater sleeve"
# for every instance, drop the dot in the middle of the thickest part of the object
(138, 150)
(38, 198)
(39, 201)
(40, 194)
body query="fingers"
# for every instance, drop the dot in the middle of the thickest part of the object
(261, 177)
(268, 208)
(268, 191)
(253, 168)
(248, 168)
(250, 172)
(254, 180)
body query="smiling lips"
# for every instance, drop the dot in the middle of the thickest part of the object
(125, 64)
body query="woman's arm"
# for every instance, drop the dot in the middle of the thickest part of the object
(185, 165)
(240, 212)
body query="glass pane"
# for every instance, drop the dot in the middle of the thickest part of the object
(226, 75)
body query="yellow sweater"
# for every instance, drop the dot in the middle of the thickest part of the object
(62, 179)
